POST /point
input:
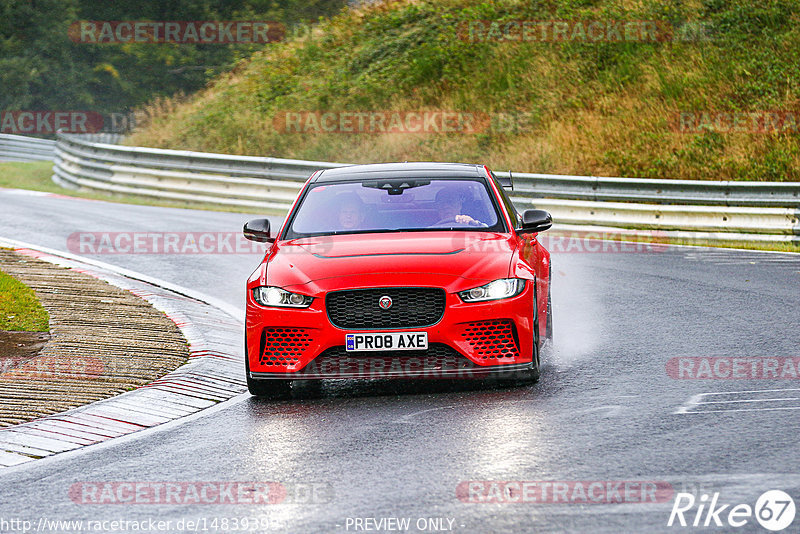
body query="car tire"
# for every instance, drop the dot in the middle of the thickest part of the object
(537, 341)
(548, 328)
(531, 376)
(533, 372)
(275, 388)
(527, 377)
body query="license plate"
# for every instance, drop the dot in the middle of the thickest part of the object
(386, 341)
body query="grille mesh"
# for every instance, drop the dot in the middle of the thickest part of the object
(336, 362)
(284, 346)
(412, 307)
(492, 340)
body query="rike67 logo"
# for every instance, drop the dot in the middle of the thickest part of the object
(774, 510)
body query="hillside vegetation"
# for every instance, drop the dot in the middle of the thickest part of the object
(42, 68)
(573, 107)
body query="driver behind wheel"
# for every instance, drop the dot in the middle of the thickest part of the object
(351, 212)
(450, 204)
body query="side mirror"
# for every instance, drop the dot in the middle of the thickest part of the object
(535, 221)
(257, 230)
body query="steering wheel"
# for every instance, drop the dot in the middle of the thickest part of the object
(453, 221)
(446, 220)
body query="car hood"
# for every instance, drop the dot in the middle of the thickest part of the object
(362, 260)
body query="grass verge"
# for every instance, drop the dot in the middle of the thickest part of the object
(20, 310)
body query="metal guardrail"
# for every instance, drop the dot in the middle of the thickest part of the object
(684, 192)
(710, 210)
(22, 148)
(221, 179)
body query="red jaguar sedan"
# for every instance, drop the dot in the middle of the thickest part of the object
(406, 270)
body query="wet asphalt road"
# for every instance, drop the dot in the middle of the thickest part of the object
(604, 410)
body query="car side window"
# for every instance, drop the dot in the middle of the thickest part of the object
(512, 210)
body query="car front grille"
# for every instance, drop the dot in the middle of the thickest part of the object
(336, 362)
(412, 307)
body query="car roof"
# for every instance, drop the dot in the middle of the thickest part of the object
(400, 170)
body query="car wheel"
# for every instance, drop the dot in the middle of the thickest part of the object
(276, 388)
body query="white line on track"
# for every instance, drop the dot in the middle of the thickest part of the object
(696, 402)
(749, 400)
(742, 410)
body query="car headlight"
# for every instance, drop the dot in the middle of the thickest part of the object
(499, 289)
(277, 297)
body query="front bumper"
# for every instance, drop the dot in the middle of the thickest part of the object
(470, 340)
(366, 371)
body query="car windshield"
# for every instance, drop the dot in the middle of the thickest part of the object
(395, 204)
